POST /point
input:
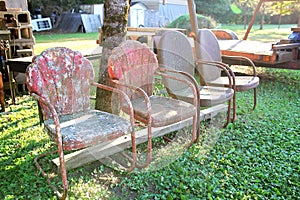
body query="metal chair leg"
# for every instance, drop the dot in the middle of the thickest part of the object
(255, 100)
(61, 195)
(228, 114)
(233, 107)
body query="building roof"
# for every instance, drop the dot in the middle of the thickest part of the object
(154, 4)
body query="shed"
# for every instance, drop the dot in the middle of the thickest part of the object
(137, 14)
(96, 9)
(78, 22)
(159, 14)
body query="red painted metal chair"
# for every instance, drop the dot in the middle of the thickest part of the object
(210, 53)
(60, 79)
(132, 66)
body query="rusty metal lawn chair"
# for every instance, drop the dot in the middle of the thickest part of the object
(132, 67)
(209, 52)
(60, 80)
(175, 52)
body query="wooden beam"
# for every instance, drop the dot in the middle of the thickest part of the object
(253, 19)
(97, 152)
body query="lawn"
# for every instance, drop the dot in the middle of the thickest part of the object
(270, 33)
(257, 157)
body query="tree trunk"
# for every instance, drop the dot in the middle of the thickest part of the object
(114, 31)
(279, 21)
(280, 15)
(245, 21)
(262, 21)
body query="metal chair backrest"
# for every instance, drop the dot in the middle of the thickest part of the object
(209, 51)
(62, 77)
(175, 52)
(133, 63)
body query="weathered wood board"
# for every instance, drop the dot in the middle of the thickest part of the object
(85, 156)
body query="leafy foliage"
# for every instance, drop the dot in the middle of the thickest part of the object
(215, 9)
(184, 22)
(59, 6)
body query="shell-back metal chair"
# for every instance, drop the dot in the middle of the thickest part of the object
(60, 80)
(175, 52)
(210, 53)
(132, 66)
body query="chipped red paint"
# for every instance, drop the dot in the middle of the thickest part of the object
(53, 73)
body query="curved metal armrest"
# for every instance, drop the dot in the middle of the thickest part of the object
(243, 58)
(124, 97)
(228, 71)
(190, 81)
(140, 91)
(54, 115)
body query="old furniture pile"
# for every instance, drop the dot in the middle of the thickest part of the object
(17, 40)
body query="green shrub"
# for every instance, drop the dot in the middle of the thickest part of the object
(184, 22)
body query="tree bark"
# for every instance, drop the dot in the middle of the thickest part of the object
(245, 21)
(114, 32)
(262, 21)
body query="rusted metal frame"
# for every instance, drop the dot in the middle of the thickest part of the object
(149, 120)
(196, 85)
(44, 174)
(60, 145)
(254, 89)
(131, 114)
(60, 150)
(231, 78)
(148, 104)
(230, 71)
(196, 93)
(242, 58)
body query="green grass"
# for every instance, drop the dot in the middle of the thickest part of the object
(63, 37)
(270, 33)
(257, 157)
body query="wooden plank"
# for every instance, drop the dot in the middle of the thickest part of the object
(295, 29)
(211, 112)
(88, 155)
(260, 53)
